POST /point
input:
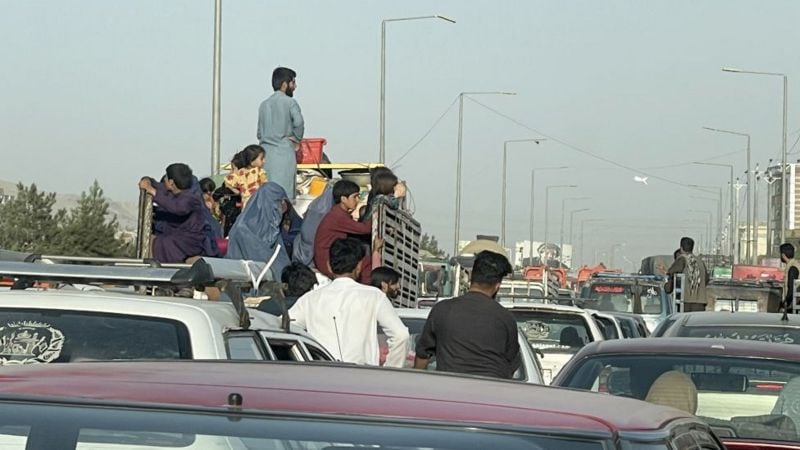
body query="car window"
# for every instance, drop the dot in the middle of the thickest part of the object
(781, 335)
(31, 336)
(553, 331)
(317, 354)
(628, 330)
(619, 297)
(84, 427)
(765, 392)
(286, 350)
(607, 327)
(244, 346)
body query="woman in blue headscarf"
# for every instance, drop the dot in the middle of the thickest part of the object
(259, 229)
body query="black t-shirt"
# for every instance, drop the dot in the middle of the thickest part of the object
(471, 334)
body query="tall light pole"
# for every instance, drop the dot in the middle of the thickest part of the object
(563, 216)
(457, 232)
(749, 185)
(784, 178)
(718, 191)
(547, 207)
(505, 184)
(719, 222)
(382, 158)
(571, 236)
(708, 224)
(216, 87)
(583, 245)
(533, 199)
(731, 241)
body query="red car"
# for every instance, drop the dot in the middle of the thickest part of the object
(239, 405)
(747, 391)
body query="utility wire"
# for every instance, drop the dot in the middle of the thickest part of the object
(578, 149)
(427, 133)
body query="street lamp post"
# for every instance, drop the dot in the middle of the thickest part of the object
(457, 232)
(583, 223)
(784, 178)
(382, 158)
(505, 184)
(731, 224)
(718, 239)
(533, 198)
(216, 87)
(563, 211)
(719, 206)
(571, 240)
(749, 186)
(708, 225)
(546, 211)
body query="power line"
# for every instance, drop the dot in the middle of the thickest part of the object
(427, 133)
(578, 149)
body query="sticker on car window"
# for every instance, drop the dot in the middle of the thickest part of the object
(29, 342)
(533, 329)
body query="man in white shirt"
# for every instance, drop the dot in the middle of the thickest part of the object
(344, 316)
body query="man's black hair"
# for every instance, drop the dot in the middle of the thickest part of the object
(344, 188)
(181, 175)
(345, 255)
(207, 185)
(384, 274)
(298, 278)
(687, 244)
(787, 250)
(490, 268)
(282, 75)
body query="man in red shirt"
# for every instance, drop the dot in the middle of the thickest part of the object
(339, 224)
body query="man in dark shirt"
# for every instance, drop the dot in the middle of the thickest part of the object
(473, 334)
(792, 273)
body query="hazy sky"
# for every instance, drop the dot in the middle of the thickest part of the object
(115, 90)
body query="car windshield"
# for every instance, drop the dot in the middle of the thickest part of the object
(777, 334)
(82, 427)
(31, 336)
(619, 297)
(739, 397)
(553, 331)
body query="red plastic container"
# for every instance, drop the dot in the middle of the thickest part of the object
(310, 151)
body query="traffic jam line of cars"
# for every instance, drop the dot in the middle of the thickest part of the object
(709, 388)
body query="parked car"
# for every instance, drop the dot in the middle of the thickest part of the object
(635, 294)
(769, 327)
(204, 405)
(530, 371)
(747, 391)
(67, 326)
(557, 331)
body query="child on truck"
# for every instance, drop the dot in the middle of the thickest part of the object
(247, 172)
(386, 189)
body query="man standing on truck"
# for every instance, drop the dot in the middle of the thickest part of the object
(792, 273)
(695, 277)
(280, 130)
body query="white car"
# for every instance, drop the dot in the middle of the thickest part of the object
(67, 325)
(530, 371)
(557, 331)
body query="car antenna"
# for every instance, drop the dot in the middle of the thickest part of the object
(338, 338)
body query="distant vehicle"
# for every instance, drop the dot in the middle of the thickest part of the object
(414, 319)
(208, 405)
(633, 325)
(744, 295)
(746, 391)
(636, 294)
(608, 324)
(557, 331)
(767, 327)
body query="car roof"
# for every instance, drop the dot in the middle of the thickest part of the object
(692, 346)
(329, 389)
(710, 318)
(221, 314)
(530, 306)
